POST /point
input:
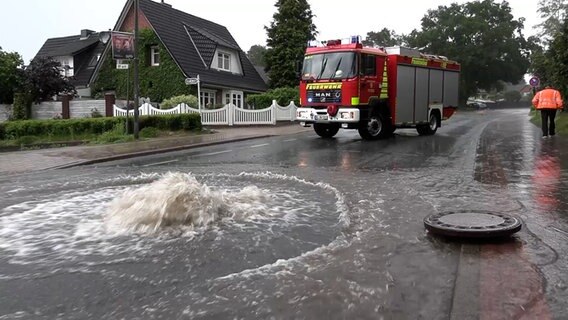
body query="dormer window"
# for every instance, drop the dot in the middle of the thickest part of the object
(224, 61)
(155, 56)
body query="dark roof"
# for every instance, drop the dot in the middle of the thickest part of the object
(262, 73)
(67, 46)
(192, 41)
(83, 52)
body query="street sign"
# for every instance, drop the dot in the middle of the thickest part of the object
(189, 81)
(534, 82)
(122, 66)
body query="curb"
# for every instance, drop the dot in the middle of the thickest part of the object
(152, 152)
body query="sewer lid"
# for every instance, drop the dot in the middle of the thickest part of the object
(472, 224)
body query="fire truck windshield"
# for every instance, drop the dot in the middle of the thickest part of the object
(335, 65)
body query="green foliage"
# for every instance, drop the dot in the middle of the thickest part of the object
(149, 132)
(283, 96)
(115, 135)
(157, 82)
(553, 13)
(172, 102)
(551, 65)
(383, 38)
(483, 36)
(44, 80)
(288, 35)
(11, 75)
(513, 96)
(22, 107)
(256, 55)
(73, 127)
(25, 140)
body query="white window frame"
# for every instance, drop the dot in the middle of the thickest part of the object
(211, 97)
(235, 97)
(224, 61)
(154, 51)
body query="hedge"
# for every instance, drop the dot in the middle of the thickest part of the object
(283, 96)
(21, 128)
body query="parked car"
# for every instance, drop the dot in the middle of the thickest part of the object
(477, 105)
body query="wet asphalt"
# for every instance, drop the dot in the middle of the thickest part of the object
(341, 235)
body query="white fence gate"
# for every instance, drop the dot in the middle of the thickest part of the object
(229, 115)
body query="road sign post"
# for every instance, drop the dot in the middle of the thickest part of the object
(190, 81)
(534, 82)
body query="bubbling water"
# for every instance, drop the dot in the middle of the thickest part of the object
(179, 200)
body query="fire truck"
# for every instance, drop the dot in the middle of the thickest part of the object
(375, 90)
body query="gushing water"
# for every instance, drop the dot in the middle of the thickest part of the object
(180, 200)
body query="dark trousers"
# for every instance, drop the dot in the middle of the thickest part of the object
(547, 116)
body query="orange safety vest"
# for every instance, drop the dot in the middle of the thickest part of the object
(547, 99)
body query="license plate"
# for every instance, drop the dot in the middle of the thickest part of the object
(321, 117)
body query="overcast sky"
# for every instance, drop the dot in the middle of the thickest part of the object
(26, 24)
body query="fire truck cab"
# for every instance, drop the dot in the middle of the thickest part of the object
(375, 90)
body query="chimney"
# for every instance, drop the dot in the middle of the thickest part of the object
(85, 33)
(166, 4)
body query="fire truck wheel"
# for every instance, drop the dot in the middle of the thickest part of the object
(430, 128)
(375, 128)
(325, 130)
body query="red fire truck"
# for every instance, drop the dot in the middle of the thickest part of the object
(375, 90)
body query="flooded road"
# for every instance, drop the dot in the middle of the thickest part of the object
(294, 227)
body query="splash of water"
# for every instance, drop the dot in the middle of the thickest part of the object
(178, 199)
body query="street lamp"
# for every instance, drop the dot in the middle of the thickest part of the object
(104, 36)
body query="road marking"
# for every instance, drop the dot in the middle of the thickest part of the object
(212, 153)
(260, 145)
(159, 163)
(289, 140)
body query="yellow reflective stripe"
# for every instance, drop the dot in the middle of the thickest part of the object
(420, 61)
(323, 86)
(385, 84)
(355, 101)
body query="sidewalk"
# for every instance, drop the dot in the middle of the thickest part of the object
(43, 159)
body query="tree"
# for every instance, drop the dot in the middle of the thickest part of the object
(483, 36)
(256, 55)
(288, 36)
(553, 12)
(383, 38)
(555, 60)
(44, 79)
(11, 75)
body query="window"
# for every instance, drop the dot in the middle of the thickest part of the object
(234, 97)
(369, 65)
(155, 56)
(207, 98)
(335, 65)
(224, 61)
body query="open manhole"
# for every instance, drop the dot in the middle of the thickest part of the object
(472, 224)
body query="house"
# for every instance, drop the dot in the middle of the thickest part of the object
(79, 56)
(198, 47)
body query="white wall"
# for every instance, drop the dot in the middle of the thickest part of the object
(82, 108)
(46, 110)
(235, 62)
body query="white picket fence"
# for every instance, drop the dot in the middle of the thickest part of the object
(229, 115)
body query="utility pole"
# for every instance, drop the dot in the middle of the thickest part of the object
(136, 79)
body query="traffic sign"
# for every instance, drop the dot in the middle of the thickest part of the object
(189, 81)
(534, 82)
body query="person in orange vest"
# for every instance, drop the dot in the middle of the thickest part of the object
(548, 101)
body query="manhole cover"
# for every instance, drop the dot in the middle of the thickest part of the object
(472, 224)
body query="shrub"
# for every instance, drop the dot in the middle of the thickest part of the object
(27, 140)
(174, 101)
(283, 96)
(22, 107)
(71, 127)
(149, 132)
(513, 96)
